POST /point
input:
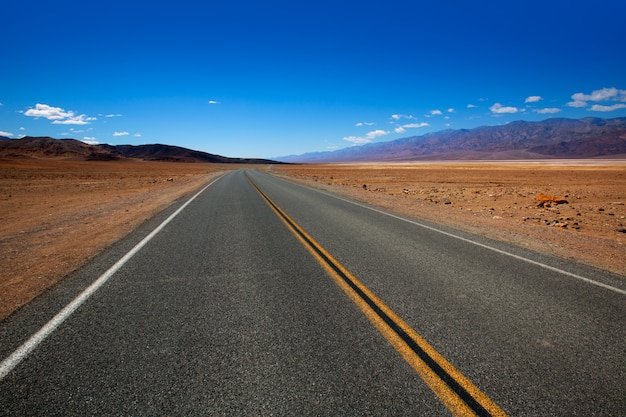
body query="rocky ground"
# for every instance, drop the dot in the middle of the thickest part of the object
(56, 214)
(569, 209)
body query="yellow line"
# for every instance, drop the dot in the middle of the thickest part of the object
(447, 395)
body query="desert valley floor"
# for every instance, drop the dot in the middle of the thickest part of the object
(57, 214)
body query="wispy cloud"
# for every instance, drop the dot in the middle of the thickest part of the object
(357, 140)
(5, 134)
(214, 102)
(58, 115)
(90, 140)
(435, 113)
(365, 124)
(81, 119)
(471, 106)
(137, 135)
(402, 129)
(81, 130)
(547, 110)
(601, 95)
(120, 133)
(600, 107)
(533, 99)
(112, 115)
(500, 109)
(402, 116)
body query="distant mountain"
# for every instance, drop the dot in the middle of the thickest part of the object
(46, 147)
(552, 138)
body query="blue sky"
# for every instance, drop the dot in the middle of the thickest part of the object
(273, 78)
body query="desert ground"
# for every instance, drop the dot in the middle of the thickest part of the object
(498, 199)
(57, 214)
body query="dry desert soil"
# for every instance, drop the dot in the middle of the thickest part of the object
(57, 214)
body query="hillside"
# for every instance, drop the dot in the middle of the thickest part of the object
(552, 138)
(46, 147)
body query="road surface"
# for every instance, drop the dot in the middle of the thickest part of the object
(262, 297)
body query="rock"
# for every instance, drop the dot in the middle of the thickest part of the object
(622, 230)
(548, 200)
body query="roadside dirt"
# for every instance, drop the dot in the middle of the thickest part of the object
(499, 200)
(57, 214)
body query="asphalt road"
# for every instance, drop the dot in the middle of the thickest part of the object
(228, 309)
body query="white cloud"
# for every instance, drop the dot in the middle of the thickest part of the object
(601, 95)
(547, 110)
(533, 99)
(399, 129)
(81, 119)
(90, 140)
(435, 113)
(364, 124)
(120, 133)
(604, 94)
(451, 110)
(376, 133)
(357, 140)
(113, 115)
(49, 112)
(214, 102)
(577, 103)
(6, 134)
(471, 106)
(81, 130)
(415, 125)
(58, 115)
(402, 116)
(500, 109)
(137, 135)
(600, 107)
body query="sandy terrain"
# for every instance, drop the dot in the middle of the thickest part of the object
(499, 200)
(57, 214)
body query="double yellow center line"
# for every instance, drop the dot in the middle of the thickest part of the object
(457, 392)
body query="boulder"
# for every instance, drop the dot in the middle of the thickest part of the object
(548, 200)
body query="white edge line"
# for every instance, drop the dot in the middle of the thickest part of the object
(25, 349)
(521, 258)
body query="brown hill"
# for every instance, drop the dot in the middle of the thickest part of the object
(46, 147)
(552, 138)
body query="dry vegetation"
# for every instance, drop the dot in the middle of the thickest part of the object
(499, 200)
(57, 214)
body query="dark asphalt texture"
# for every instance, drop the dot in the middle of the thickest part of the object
(224, 312)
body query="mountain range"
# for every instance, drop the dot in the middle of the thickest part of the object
(551, 138)
(42, 147)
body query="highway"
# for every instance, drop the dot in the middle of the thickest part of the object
(259, 297)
